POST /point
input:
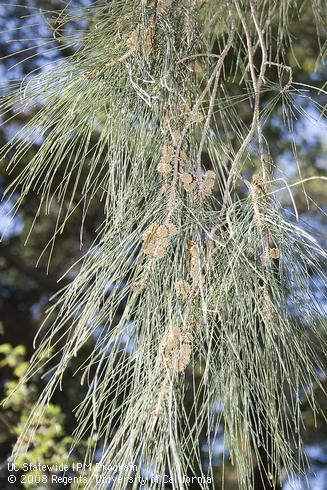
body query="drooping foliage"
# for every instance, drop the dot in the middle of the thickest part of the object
(198, 283)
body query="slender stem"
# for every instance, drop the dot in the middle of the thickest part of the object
(213, 97)
(257, 84)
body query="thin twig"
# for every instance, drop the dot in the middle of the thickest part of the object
(257, 87)
(213, 97)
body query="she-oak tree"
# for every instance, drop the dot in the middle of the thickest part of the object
(198, 285)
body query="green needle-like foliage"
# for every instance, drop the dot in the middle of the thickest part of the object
(213, 275)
